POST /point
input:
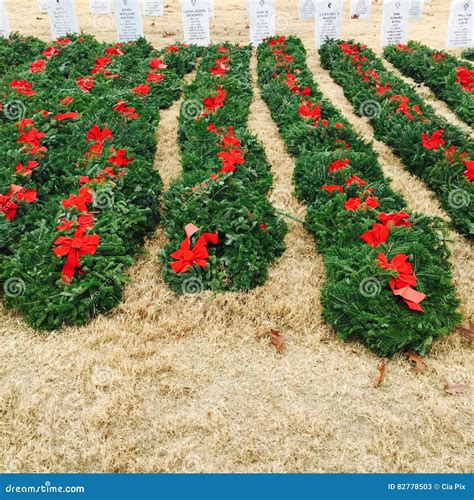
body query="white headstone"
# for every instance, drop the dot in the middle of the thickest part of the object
(211, 8)
(153, 8)
(262, 20)
(394, 22)
(360, 9)
(43, 6)
(128, 20)
(100, 7)
(62, 18)
(307, 9)
(328, 21)
(196, 22)
(4, 23)
(416, 9)
(460, 25)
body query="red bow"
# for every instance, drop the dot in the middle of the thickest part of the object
(379, 232)
(30, 137)
(220, 68)
(434, 142)
(186, 257)
(309, 110)
(469, 172)
(70, 115)
(465, 77)
(79, 201)
(154, 77)
(229, 140)
(38, 66)
(376, 236)
(355, 180)
(16, 193)
(119, 159)
(74, 248)
(141, 89)
(125, 110)
(8, 206)
(213, 102)
(23, 87)
(230, 159)
(86, 83)
(97, 135)
(332, 187)
(396, 219)
(338, 165)
(157, 64)
(25, 170)
(402, 284)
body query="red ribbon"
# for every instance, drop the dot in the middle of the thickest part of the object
(402, 284)
(74, 249)
(16, 193)
(186, 257)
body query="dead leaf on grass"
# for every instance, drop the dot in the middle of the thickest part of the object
(416, 362)
(451, 388)
(468, 332)
(378, 378)
(278, 341)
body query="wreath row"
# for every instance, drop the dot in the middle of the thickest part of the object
(223, 232)
(388, 282)
(468, 54)
(439, 153)
(77, 180)
(447, 76)
(16, 49)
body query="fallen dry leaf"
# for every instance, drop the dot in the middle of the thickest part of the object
(261, 332)
(278, 341)
(378, 379)
(416, 362)
(276, 338)
(468, 332)
(451, 388)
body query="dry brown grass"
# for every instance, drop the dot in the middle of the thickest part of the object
(183, 384)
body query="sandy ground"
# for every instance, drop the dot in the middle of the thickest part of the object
(165, 384)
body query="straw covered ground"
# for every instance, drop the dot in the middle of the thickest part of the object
(166, 384)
